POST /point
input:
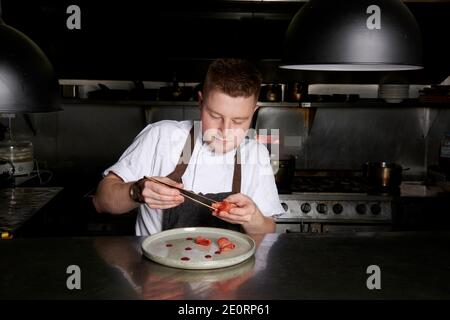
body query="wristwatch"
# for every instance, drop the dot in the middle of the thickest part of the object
(136, 192)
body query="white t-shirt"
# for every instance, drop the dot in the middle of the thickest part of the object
(156, 151)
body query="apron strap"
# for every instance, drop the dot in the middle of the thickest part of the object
(236, 186)
(185, 157)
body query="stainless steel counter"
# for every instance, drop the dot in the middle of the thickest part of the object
(418, 189)
(18, 205)
(285, 266)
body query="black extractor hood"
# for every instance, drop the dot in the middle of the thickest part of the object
(353, 35)
(150, 40)
(27, 79)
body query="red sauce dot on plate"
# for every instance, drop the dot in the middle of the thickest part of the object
(208, 256)
(185, 259)
(169, 245)
(189, 238)
(217, 252)
(188, 248)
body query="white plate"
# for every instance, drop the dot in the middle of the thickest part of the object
(170, 246)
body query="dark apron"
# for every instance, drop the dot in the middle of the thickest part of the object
(190, 213)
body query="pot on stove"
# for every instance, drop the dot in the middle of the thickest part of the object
(383, 174)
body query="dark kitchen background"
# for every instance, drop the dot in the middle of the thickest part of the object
(129, 44)
(139, 40)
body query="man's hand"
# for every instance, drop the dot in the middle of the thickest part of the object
(247, 214)
(158, 196)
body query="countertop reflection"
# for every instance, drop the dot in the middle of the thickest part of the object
(285, 266)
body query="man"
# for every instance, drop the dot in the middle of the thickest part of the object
(218, 161)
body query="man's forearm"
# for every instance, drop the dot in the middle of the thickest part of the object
(114, 197)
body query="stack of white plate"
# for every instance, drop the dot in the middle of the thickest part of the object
(393, 93)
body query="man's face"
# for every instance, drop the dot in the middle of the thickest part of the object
(225, 119)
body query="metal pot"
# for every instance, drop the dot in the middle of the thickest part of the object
(295, 92)
(270, 92)
(383, 174)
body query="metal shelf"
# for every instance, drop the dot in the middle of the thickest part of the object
(375, 103)
(132, 102)
(164, 103)
(362, 103)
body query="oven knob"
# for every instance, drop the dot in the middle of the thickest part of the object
(305, 207)
(322, 208)
(361, 208)
(285, 206)
(338, 208)
(375, 209)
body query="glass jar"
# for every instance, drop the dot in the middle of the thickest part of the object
(19, 154)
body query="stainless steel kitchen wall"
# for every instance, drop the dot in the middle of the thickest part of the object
(440, 125)
(83, 139)
(88, 137)
(344, 138)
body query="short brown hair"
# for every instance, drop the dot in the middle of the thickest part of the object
(234, 77)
